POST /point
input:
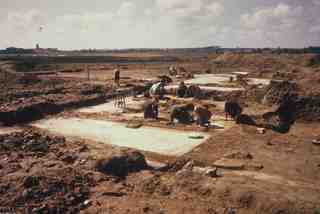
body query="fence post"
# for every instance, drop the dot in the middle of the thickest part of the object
(88, 71)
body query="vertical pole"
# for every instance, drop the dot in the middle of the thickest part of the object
(88, 71)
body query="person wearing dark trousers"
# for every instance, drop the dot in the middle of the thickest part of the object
(232, 109)
(151, 109)
(117, 77)
(203, 115)
(182, 90)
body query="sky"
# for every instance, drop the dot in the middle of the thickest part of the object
(109, 24)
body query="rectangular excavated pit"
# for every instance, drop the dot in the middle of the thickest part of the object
(208, 88)
(161, 141)
(131, 103)
(203, 79)
(223, 79)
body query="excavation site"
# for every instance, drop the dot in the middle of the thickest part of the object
(160, 133)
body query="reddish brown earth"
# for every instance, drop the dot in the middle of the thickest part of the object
(257, 173)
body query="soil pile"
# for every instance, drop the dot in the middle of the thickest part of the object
(41, 173)
(23, 103)
(277, 91)
(307, 107)
(35, 176)
(120, 163)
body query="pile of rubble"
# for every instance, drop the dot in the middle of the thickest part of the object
(307, 107)
(278, 90)
(34, 176)
(19, 105)
(45, 174)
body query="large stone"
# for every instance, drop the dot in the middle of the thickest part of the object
(229, 164)
(116, 165)
(156, 165)
(120, 163)
(30, 181)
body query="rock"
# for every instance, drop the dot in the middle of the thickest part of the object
(87, 203)
(238, 155)
(40, 209)
(40, 147)
(261, 130)
(208, 171)
(189, 165)
(229, 164)
(51, 164)
(83, 148)
(30, 181)
(316, 142)
(254, 166)
(134, 125)
(58, 140)
(211, 172)
(156, 165)
(116, 165)
(178, 164)
(231, 211)
(136, 160)
(68, 158)
(121, 163)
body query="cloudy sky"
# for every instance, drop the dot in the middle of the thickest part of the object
(76, 24)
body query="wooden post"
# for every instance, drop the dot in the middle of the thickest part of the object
(88, 71)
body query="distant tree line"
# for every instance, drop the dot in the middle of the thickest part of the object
(13, 50)
(211, 49)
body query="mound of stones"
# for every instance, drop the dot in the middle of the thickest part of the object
(278, 90)
(306, 107)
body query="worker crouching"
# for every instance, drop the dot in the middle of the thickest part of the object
(182, 90)
(151, 108)
(158, 89)
(202, 115)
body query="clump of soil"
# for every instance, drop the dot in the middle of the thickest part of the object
(307, 107)
(35, 177)
(120, 163)
(277, 91)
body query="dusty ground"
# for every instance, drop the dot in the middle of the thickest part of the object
(257, 173)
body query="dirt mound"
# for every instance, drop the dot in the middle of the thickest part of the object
(28, 141)
(259, 61)
(306, 107)
(56, 191)
(120, 163)
(35, 176)
(276, 91)
(312, 60)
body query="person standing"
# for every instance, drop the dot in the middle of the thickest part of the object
(182, 90)
(157, 89)
(151, 109)
(117, 76)
(232, 109)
